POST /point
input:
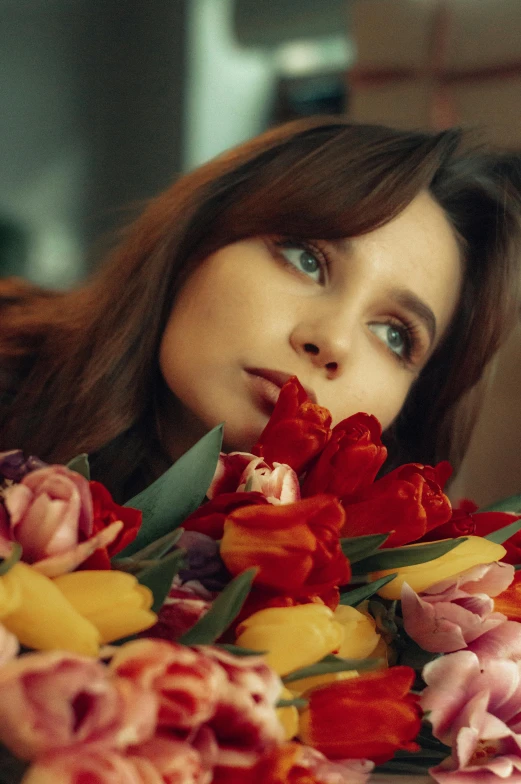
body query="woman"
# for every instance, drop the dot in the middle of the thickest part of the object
(334, 232)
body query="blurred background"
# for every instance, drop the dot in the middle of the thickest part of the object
(105, 102)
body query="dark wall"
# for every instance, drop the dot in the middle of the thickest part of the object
(92, 95)
(133, 72)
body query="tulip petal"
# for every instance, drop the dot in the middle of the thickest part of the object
(69, 560)
(114, 602)
(502, 642)
(293, 637)
(45, 620)
(420, 577)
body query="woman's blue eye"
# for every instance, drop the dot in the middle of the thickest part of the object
(303, 260)
(392, 336)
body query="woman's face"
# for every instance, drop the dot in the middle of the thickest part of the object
(356, 320)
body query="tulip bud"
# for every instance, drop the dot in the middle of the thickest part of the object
(293, 637)
(114, 602)
(44, 619)
(360, 635)
(475, 550)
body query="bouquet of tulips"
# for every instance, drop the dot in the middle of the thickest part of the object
(279, 616)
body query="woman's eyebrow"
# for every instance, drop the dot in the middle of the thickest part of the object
(403, 297)
(412, 302)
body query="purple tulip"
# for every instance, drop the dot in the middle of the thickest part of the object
(204, 562)
(14, 466)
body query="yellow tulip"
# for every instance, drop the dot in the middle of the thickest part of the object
(35, 611)
(476, 550)
(294, 637)
(114, 602)
(288, 717)
(10, 596)
(360, 639)
(385, 654)
(360, 635)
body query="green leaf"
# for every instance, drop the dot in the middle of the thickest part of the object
(153, 551)
(358, 595)
(223, 611)
(8, 563)
(238, 651)
(423, 753)
(360, 547)
(384, 615)
(400, 767)
(393, 558)
(298, 702)
(511, 504)
(80, 464)
(502, 534)
(412, 655)
(426, 739)
(331, 664)
(159, 577)
(431, 752)
(177, 493)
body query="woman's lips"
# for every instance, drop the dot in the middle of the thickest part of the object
(268, 383)
(267, 392)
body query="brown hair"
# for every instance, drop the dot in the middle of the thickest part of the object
(79, 370)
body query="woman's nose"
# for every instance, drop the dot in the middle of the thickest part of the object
(325, 345)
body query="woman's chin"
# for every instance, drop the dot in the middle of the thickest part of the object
(242, 439)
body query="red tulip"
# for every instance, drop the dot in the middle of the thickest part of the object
(297, 431)
(369, 717)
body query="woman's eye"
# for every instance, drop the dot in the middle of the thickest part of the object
(393, 336)
(303, 259)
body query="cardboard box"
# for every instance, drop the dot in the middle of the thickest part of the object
(392, 33)
(493, 107)
(401, 105)
(435, 63)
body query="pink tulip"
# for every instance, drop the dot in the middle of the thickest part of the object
(70, 766)
(50, 513)
(245, 722)
(55, 700)
(176, 761)
(494, 771)
(156, 762)
(188, 684)
(181, 610)
(298, 763)
(226, 702)
(228, 473)
(68, 561)
(279, 485)
(473, 707)
(324, 771)
(455, 612)
(502, 642)
(49, 510)
(241, 471)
